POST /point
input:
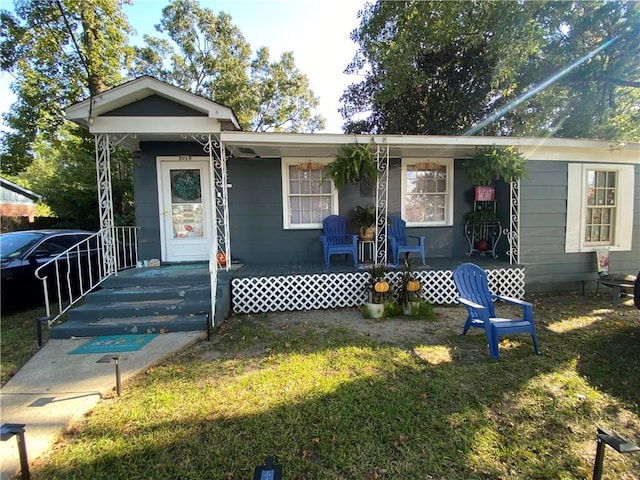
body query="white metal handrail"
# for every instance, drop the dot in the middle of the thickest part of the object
(72, 274)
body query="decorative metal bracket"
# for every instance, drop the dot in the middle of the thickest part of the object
(382, 202)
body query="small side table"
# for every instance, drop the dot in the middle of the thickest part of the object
(364, 247)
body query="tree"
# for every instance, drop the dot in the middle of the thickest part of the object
(208, 55)
(59, 51)
(441, 67)
(64, 174)
(281, 99)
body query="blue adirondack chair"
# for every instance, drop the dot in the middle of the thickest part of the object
(399, 241)
(336, 240)
(473, 287)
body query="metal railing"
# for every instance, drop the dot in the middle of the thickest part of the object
(72, 274)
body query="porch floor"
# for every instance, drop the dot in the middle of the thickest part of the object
(339, 265)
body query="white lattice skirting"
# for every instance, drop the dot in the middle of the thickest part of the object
(338, 290)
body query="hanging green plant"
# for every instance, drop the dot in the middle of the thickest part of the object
(354, 163)
(186, 185)
(493, 162)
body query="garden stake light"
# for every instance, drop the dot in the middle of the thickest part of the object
(616, 442)
(268, 471)
(8, 430)
(116, 359)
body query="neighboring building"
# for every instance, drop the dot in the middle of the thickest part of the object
(266, 202)
(16, 201)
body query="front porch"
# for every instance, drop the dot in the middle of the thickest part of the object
(177, 297)
(294, 286)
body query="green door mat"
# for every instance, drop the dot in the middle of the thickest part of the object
(115, 343)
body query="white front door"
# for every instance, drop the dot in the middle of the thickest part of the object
(185, 208)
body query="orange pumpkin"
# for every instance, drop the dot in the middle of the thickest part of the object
(221, 258)
(413, 285)
(381, 286)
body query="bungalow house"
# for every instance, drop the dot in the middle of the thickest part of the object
(204, 187)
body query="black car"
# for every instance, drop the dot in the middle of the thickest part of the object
(22, 253)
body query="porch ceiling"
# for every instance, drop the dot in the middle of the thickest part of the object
(276, 145)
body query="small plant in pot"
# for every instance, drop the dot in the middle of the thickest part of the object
(410, 294)
(364, 217)
(378, 292)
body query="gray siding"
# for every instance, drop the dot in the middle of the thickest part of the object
(257, 233)
(255, 213)
(154, 106)
(543, 211)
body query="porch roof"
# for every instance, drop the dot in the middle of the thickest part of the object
(276, 145)
(106, 113)
(102, 114)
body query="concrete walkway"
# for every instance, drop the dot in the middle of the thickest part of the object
(54, 389)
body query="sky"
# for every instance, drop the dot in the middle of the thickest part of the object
(316, 31)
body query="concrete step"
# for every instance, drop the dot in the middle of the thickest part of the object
(166, 299)
(139, 308)
(130, 325)
(149, 292)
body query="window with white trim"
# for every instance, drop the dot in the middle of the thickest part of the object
(427, 191)
(307, 198)
(601, 205)
(595, 212)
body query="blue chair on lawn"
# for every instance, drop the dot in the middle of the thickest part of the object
(399, 241)
(473, 287)
(336, 240)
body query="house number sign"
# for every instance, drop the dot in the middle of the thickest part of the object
(184, 158)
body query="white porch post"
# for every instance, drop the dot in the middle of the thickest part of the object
(213, 259)
(382, 202)
(104, 147)
(513, 232)
(222, 203)
(220, 212)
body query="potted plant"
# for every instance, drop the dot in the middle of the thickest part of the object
(378, 292)
(411, 290)
(490, 163)
(364, 216)
(355, 162)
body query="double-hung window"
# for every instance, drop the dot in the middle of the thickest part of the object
(596, 201)
(427, 190)
(307, 197)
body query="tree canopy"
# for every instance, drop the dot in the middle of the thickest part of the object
(63, 51)
(433, 67)
(58, 52)
(207, 54)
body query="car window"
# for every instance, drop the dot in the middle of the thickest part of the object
(13, 245)
(56, 245)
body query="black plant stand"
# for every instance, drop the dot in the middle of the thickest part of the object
(489, 231)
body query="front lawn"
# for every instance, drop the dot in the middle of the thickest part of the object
(335, 396)
(18, 340)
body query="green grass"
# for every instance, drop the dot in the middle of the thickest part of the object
(18, 341)
(333, 403)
